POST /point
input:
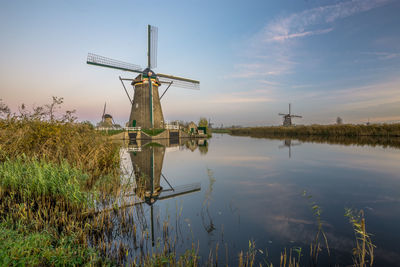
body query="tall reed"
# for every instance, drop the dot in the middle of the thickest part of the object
(350, 130)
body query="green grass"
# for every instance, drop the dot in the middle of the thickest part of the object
(32, 179)
(22, 247)
(153, 132)
(42, 214)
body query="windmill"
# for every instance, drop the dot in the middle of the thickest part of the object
(287, 118)
(146, 109)
(209, 123)
(106, 119)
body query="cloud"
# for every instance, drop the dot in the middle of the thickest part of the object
(270, 52)
(383, 55)
(268, 82)
(301, 24)
(300, 34)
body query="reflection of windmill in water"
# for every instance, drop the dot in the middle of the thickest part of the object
(287, 118)
(146, 109)
(147, 169)
(288, 143)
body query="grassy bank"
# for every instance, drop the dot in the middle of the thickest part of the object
(339, 140)
(41, 213)
(52, 169)
(348, 130)
(53, 173)
(56, 142)
(153, 132)
(220, 130)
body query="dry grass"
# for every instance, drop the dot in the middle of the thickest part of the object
(350, 130)
(75, 143)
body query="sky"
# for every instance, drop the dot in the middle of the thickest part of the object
(327, 58)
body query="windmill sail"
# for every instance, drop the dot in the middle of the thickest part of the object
(101, 61)
(180, 190)
(104, 112)
(179, 81)
(132, 199)
(153, 40)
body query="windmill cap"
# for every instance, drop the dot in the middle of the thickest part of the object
(148, 72)
(107, 116)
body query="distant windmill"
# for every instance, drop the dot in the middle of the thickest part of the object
(106, 119)
(209, 123)
(146, 109)
(287, 118)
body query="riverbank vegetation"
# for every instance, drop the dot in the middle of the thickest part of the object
(347, 130)
(220, 130)
(52, 169)
(373, 135)
(340, 140)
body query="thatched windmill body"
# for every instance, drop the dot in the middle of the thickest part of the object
(287, 118)
(146, 111)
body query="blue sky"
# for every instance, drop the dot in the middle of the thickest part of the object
(327, 58)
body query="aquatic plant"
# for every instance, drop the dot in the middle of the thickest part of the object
(31, 180)
(363, 253)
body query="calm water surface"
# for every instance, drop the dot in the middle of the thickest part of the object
(251, 189)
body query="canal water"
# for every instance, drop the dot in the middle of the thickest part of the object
(228, 193)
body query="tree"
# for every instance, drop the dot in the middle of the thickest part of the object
(4, 110)
(339, 120)
(203, 122)
(51, 108)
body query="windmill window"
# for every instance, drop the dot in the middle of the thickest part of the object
(137, 105)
